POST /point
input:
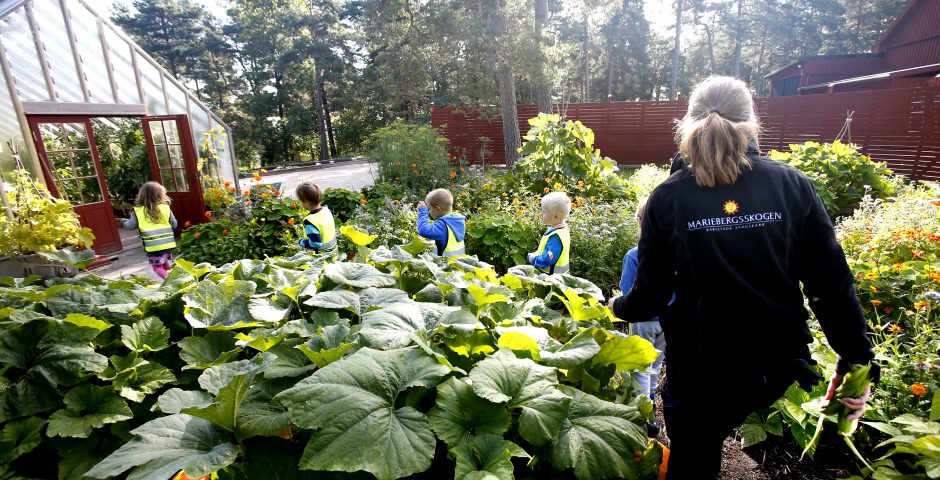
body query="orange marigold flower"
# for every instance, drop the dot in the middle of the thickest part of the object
(363, 201)
(895, 329)
(918, 389)
(264, 171)
(936, 203)
(197, 234)
(232, 190)
(293, 205)
(224, 231)
(557, 186)
(208, 214)
(453, 175)
(291, 221)
(277, 193)
(935, 276)
(256, 175)
(187, 223)
(873, 289)
(889, 310)
(876, 303)
(520, 211)
(227, 184)
(247, 192)
(546, 189)
(593, 198)
(920, 305)
(414, 165)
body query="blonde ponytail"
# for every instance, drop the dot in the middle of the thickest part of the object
(713, 136)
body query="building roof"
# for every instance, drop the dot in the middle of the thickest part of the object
(809, 58)
(894, 25)
(907, 72)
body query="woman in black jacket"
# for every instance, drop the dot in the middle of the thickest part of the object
(735, 235)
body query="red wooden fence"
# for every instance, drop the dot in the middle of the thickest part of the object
(900, 127)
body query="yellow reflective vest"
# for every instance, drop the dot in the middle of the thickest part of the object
(156, 236)
(324, 222)
(563, 263)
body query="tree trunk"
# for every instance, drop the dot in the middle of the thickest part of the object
(738, 32)
(760, 64)
(610, 73)
(321, 118)
(542, 91)
(675, 52)
(711, 49)
(587, 60)
(329, 122)
(507, 104)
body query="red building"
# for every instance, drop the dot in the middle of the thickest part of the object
(906, 55)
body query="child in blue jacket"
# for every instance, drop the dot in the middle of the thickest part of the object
(446, 227)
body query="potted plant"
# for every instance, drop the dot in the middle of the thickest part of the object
(35, 222)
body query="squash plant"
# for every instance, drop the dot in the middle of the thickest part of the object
(41, 222)
(397, 364)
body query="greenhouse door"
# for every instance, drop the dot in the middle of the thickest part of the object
(173, 162)
(72, 169)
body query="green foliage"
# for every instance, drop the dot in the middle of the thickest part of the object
(414, 157)
(343, 203)
(502, 238)
(840, 173)
(560, 155)
(123, 152)
(601, 234)
(642, 181)
(40, 223)
(274, 352)
(273, 228)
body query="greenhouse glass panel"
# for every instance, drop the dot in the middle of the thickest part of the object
(123, 67)
(226, 159)
(177, 99)
(55, 42)
(24, 61)
(153, 88)
(10, 129)
(85, 26)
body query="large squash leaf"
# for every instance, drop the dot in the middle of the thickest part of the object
(213, 348)
(147, 335)
(488, 457)
(228, 383)
(20, 437)
(459, 414)
(399, 440)
(89, 407)
(359, 275)
(627, 353)
(335, 300)
(391, 327)
(597, 438)
(43, 360)
(526, 386)
(167, 445)
(222, 306)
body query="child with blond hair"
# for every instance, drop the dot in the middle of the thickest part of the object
(446, 227)
(154, 220)
(554, 252)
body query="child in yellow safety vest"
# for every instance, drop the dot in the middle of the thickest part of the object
(319, 225)
(554, 252)
(446, 227)
(155, 221)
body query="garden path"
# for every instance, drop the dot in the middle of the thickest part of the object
(352, 175)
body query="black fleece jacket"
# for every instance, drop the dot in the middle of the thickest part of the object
(735, 256)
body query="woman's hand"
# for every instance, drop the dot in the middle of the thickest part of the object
(610, 303)
(858, 404)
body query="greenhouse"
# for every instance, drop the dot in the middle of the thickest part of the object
(70, 76)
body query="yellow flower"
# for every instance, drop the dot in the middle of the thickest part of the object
(520, 211)
(873, 289)
(515, 200)
(546, 189)
(876, 303)
(871, 275)
(453, 175)
(363, 201)
(918, 389)
(920, 305)
(593, 198)
(413, 165)
(557, 186)
(505, 194)
(895, 329)
(264, 171)
(486, 185)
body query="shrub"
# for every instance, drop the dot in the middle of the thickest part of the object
(503, 238)
(840, 173)
(41, 222)
(415, 157)
(601, 234)
(560, 155)
(342, 202)
(893, 247)
(394, 221)
(642, 181)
